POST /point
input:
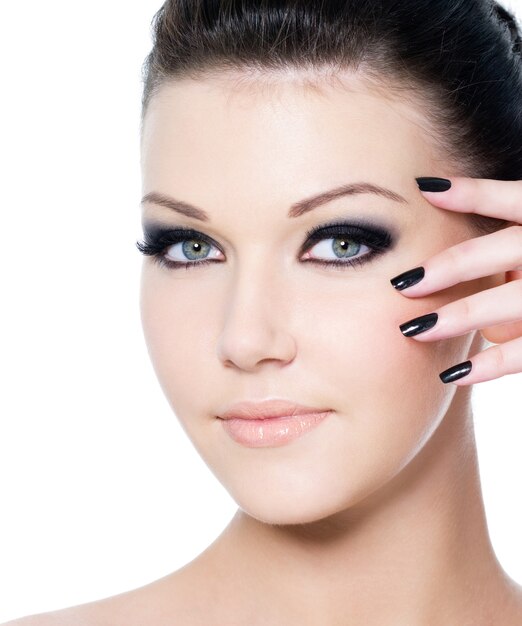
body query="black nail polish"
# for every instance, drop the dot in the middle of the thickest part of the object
(456, 372)
(408, 279)
(419, 324)
(429, 183)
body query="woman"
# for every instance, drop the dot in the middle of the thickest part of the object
(297, 159)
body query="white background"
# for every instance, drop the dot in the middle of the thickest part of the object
(100, 489)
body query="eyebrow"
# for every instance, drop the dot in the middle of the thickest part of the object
(296, 210)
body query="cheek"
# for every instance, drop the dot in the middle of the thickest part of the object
(350, 355)
(178, 318)
(353, 333)
(387, 385)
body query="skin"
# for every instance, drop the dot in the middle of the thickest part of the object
(376, 516)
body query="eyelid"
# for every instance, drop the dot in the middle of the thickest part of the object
(368, 232)
(156, 232)
(362, 226)
(158, 237)
(154, 227)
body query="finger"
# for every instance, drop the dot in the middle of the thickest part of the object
(485, 308)
(497, 198)
(502, 332)
(500, 251)
(487, 365)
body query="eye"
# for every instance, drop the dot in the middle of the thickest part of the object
(347, 248)
(343, 244)
(185, 247)
(181, 247)
(193, 249)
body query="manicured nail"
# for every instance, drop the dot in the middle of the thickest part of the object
(429, 183)
(456, 372)
(419, 324)
(408, 279)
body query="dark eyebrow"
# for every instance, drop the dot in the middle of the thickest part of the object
(297, 209)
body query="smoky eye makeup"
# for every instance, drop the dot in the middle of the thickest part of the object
(349, 236)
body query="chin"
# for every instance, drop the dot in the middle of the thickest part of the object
(279, 508)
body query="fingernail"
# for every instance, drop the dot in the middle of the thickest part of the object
(419, 324)
(456, 372)
(429, 183)
(408, 279)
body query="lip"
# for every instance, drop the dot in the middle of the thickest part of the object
(266, 409)
(271, 423)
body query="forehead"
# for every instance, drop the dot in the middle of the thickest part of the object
(232, 130)
(217, 92)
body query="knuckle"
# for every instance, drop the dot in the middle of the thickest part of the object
(516, 233)
(498, 358)
(458, 254)
(518, 287)
(466, 308)
(460, 309)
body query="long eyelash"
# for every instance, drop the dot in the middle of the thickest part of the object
(157, 239)
(378, 239)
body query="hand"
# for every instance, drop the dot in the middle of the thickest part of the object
(500, 251)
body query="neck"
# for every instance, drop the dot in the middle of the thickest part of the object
(415, 551)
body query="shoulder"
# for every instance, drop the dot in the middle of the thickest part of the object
(83, 615)
(517, 605)
(190, 596)
(159, 602)
(122, 609)
(54, 618)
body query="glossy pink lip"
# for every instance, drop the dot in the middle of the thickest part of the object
(266, 409)
(270, 423)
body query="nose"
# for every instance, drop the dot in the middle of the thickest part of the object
(255, 327)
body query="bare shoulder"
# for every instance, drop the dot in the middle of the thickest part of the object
(517, 604)
(53, 618)
(165, 600)
(33, 620)
(510, 608)
(83, 615)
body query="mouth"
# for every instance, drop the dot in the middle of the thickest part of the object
(266, 409)
(271, 423)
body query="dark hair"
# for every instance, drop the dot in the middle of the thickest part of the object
(461, 58)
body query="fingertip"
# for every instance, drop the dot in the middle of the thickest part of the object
(432, 184)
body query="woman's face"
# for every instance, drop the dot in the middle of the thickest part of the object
(259, 322)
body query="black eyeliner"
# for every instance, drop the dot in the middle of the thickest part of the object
(157, 237)
(364, 231)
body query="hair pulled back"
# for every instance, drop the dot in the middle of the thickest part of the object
(462, 57)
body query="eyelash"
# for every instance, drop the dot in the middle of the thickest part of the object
(157, 239)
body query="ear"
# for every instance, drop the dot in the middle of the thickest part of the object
(510, 330)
